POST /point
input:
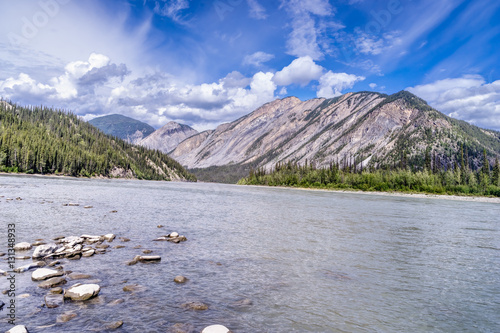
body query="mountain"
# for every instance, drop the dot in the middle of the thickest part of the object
(367, 128)
(123, 127)
(47, 141)
(168, 137)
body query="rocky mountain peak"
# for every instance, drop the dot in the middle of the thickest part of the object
(168, 137)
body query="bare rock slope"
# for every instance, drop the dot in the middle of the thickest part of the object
(366, 127)
(168, 137)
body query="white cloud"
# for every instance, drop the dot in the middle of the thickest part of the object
(257, 59)
(304, 40)
(171, 9)
(331, 84)
(468, 98)
(373, 85)
(24, 85)
(256, 10)
(301, 71)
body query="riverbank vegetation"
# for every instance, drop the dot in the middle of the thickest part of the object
(433, 179)
(40, 140)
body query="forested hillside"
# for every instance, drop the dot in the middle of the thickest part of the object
(126, 128)
(46, 141)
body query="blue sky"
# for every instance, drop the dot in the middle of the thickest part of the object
(203, 63)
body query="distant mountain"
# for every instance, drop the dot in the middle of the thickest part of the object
(168, 137)
(46, 141)
(126, 128)
(367, 128)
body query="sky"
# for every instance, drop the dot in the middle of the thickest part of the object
(203, 63)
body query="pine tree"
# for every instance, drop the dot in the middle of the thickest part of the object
(496, 173)
(486, 164)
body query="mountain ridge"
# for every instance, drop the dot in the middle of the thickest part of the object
(370, 129)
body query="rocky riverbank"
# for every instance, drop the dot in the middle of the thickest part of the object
(50, 270)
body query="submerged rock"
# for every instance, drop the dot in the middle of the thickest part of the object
(216, 329)
(114, 325)
(181, 328)
(198, 306)
(54, 300)
(44, 274)
(134, 288)
(79, 276)
(25, 268)
(82, 292)
(65, 317)
(116, 302)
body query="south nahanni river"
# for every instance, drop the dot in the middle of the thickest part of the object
(261, 259)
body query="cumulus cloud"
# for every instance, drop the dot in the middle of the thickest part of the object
(331, 84)
(98, 86)
(257, 59)
(304, 40)
(24, 86)
(469, 98)
(301, 71)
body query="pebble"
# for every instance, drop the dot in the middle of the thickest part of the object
(180, 279)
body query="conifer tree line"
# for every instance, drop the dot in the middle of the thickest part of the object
(434, 177)
(41, 140)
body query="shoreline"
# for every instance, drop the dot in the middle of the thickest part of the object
(393, 194)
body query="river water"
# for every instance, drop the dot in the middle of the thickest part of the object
(263, 259)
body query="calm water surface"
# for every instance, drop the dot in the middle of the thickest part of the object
(300, 261)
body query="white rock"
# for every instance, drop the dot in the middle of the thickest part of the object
(109, 237)
(174, 234)
(216, 329)
(45, 250)
(82, 292)
(90, 236)
(25, 268)
(24, 246)
(18, 329)
(44, 274)
(147, 258)
(3, 272)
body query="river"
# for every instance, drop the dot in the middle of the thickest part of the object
(262, 259)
